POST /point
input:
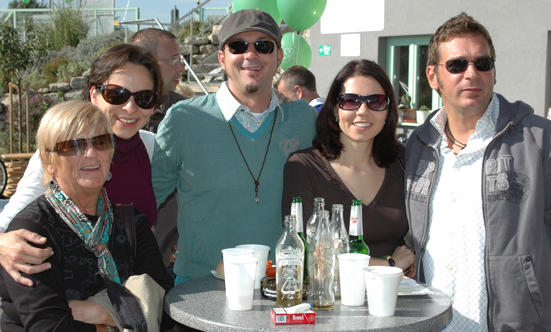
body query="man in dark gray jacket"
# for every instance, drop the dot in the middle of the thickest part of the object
(478, 191)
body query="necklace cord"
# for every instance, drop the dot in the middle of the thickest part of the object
(452, 138)
(256, 180)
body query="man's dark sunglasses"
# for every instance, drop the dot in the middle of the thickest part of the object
(241, 46)
(117, 95)
(352, 101)
(460, 65)
(77, 147)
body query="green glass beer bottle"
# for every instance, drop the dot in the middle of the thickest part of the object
(355, 229)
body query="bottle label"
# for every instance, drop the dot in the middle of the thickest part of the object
(355, 227)
(289, 266)
(296, 211)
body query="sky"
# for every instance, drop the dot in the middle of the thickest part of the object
(155, 8)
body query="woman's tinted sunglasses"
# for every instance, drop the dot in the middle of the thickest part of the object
(460, 65)
(352, 101)
(241, 46)
(117, 95)
(77, 147)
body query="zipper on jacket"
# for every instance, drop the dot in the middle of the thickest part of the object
(486, 270)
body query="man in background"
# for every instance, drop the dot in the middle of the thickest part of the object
(297, 83)
(164, 45)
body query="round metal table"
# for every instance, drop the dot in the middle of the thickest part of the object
(201, 303)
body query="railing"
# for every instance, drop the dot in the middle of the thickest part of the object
(13, 13)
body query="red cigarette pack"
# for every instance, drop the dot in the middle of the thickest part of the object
(281, 317)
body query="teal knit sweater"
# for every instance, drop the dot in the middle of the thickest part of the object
(196, 152)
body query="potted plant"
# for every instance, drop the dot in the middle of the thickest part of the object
(422, 114)
(408, 114)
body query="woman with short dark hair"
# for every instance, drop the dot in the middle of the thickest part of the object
(355, 156)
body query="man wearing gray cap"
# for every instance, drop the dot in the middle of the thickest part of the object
(225, 152)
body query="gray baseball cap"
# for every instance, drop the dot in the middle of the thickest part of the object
(249, 20)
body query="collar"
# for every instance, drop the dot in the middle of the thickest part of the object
(317, 101)
(229, 105)
(490, 116)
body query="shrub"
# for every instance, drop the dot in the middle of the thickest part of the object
(66, 71)
(67, 27)
(49, 70)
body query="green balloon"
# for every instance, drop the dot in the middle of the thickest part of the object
(269, 6)
(296, 51)
(301, 14)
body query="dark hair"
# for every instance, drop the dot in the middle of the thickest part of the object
(118, 56)
(457, 25)
(298, 75)
(149, 38)
(327, 139)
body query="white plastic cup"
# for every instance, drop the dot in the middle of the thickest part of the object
(261, 253)
(381, 283)
(351, 271)
(232, 253)
(240, 275)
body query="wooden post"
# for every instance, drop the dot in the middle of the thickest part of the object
(11, 117)
(28, 122)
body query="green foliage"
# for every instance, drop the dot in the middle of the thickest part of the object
(66, 27)
(35, 80)
(49, 70)
(18, 4)
(69, 70)
(424, 108)
(19, 57)
(181, 31)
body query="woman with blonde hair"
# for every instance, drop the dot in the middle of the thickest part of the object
(89, 240)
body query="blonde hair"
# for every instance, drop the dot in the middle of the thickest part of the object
(66, 121)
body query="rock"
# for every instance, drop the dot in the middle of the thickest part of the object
(214, 39)
(31, 92)
(87, 73)
(216, 29)
(73, 94)
(185, 49)
(43, 90)
(208, 49)
(54, 96)
(60, 87)
(79, 82)
(199, 57)
(199, 40)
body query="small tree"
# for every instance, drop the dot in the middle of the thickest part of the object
(20, 56)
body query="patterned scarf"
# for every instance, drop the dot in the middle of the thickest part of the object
(95, 237)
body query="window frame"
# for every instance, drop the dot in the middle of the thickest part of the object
(413, 42)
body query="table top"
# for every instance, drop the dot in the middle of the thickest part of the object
(201, 303)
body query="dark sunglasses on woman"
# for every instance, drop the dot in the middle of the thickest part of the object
(77, 147)
(241, 46)
(460, 65)
(117, 95)
(352, 101)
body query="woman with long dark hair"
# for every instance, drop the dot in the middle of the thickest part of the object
(355, 156)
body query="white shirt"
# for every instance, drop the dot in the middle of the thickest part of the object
(249, 120)
(454, 258)
(31, 184)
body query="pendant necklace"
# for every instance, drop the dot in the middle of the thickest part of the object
(256, 180)
(454, 141)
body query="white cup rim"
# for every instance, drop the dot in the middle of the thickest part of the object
(254, 247)
(238, 251)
